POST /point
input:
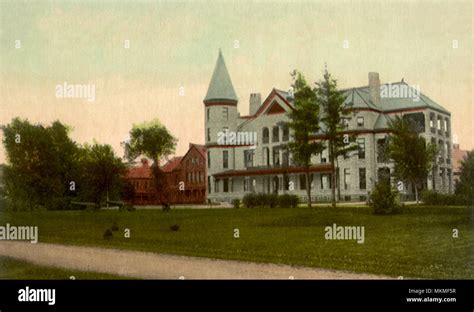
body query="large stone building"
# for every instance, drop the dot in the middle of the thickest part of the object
(247, 153)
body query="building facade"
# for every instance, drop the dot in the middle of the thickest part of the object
(184, 180)
(248, 154)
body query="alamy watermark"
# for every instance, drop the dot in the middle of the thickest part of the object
(336, 232)
(400, 91)
(227, 137)
(85, 91)
(12, 232)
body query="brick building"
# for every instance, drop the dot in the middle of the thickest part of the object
(184, 179)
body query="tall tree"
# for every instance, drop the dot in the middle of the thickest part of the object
(465, 186)
(304, 123)
(153, 140)
(413, 157)
(41, 163)
(335, 115)
(101, 173)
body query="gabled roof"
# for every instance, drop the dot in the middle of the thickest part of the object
(381, 122)
(201, 148)
(220, 87)
(360, 98)
(172, 164)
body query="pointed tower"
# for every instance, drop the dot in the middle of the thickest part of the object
(220, 115)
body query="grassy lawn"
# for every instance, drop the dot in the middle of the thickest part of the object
(416, 243)
(16, 269)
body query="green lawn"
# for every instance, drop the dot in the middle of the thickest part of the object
(417, 243)
(16, 269)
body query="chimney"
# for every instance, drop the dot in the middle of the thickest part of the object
(374, 88)
(144, 162)
(254, 103)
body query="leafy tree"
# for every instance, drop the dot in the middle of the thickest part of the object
(101, 173)
(304, 123)
(153, 140)
(465, 186)
(41, 162)
(413, 157)
(334, 116)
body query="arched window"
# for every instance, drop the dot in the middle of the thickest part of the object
(265, 135)
(275, 134)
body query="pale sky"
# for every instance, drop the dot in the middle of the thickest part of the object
(175, 44)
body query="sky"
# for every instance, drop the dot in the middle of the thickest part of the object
(165, 69)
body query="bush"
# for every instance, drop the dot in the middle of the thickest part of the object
(261, 200)
(250, 200)
(437, 199)
(288, 201)
(166, 207)
(384, 199)
(108, 234)
(174, 227)
(236, 203)
(114, 227)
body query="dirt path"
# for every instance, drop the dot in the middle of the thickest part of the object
(146, 265)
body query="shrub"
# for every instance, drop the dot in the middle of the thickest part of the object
(166, 207)
(236, 203)
(114, 227)
(174, 227)
(288, 201)
(384, 199)
(250, 200)
(108, 234)
(437, 199)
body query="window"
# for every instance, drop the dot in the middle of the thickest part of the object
(248, 158)
(265, 135)
(286, 132)
(302, 182)
(225, 113)
(285, 157)
(446, 126)
(360, 121)
(361, 143)
(208, 159)
(276, 156)
(226, 185)
(208, 113)
(346, 178)
(382, 150)
(362, 179)
(225, 159)
(216, 185)
(286, 182)
(209, 184)
(275, 134)
(208, 134)
(439, 123)
(246, 184)
(325, 181)
(266, 156)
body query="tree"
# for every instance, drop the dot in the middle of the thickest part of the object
(465, 186)
(101, 173)
(153, 140)
(304, 123)
(41, 163)
(413, 157)
(335, 114)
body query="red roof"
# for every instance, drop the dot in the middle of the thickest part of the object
(142, 172)
(200, 148)
(172, 164)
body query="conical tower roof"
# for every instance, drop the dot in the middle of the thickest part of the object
(221, 87)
